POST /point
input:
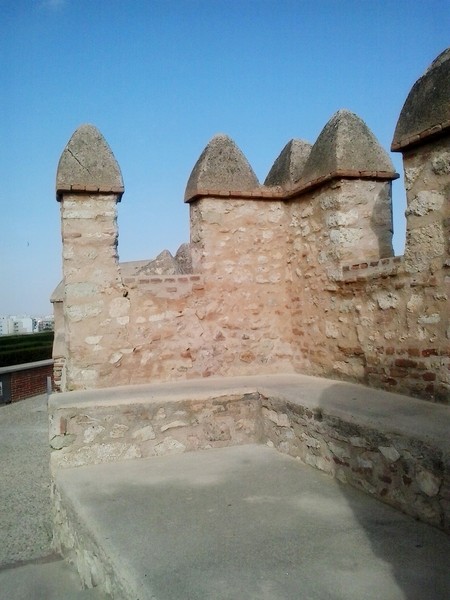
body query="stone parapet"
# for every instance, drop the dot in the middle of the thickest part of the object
(390, 446)
(295, 276)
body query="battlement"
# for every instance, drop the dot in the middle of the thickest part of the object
(295, 275)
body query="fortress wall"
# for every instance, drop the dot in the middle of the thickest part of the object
(240, 246)
(298, 275)
(384, 322)
(332, 227)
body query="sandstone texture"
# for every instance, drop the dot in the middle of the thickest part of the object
(221, 166)
(345, 144)
(297, 277)
(288, 168)
(426, 111)
(87, 163)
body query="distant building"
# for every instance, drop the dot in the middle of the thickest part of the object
(6, 325)
(46, 324)
(13, 325)
(24, 325)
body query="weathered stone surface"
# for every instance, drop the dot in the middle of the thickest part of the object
(390, 453)
(427, 104)
(87, 161)
(144, 434)
(183, 257)
(425, 202)
(428, 482)
(163, 264)
(287, 169)
(345, 143)
(169, 446)
(307, 285)
(221, 166)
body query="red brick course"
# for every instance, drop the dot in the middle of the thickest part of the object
(26, 383)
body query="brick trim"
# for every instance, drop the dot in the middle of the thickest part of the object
(277, 193)
(420, 137)
(93, 189)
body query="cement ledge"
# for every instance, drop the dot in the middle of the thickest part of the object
(393, 447)
(379, 409)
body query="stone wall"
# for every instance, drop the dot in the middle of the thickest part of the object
(296, 275)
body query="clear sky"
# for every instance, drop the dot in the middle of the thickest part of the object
(159, 78)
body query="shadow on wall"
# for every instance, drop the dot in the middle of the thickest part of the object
(381, 221)
(416, 552)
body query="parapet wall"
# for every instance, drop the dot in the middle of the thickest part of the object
(296, 275)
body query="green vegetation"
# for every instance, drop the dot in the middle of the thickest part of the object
(19, 349)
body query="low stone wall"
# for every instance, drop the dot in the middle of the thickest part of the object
(146, 428)
(390, 446)
(402, 471)
(24, 381)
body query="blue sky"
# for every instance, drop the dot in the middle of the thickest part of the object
(159, 78)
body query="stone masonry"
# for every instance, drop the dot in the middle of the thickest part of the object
(293, 276)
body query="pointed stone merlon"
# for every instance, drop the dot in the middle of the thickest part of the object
(423, 135)
(221, 192)
(87, 164)
(89, 185)
(426, 112)
(221, 170)
(346, 148)
(287, 170)
(357, 208)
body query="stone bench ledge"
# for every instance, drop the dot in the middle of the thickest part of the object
(386, 411)
(393, 447)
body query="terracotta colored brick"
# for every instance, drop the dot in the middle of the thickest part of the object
(413, 352)
(405, 363)
(430, 352)
(396, 372)
(429, 376)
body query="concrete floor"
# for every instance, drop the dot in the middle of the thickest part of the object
(29, 570)
(248, 523)
(238, 523)
(25, 521)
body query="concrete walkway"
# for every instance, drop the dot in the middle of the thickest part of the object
(224, 524)
(29, 570)
(248, 523)
(25, 522)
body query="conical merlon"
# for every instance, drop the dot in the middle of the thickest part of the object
(288, 168)
(345, 144)
(222, 167)
(427, 106)
(87, 162)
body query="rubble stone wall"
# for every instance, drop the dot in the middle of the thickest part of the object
(295, 276)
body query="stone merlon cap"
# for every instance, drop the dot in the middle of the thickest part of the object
(346, 144)
(88, 164)
(287, 170)
(58, 293)
(221, 167)
(426, 111)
